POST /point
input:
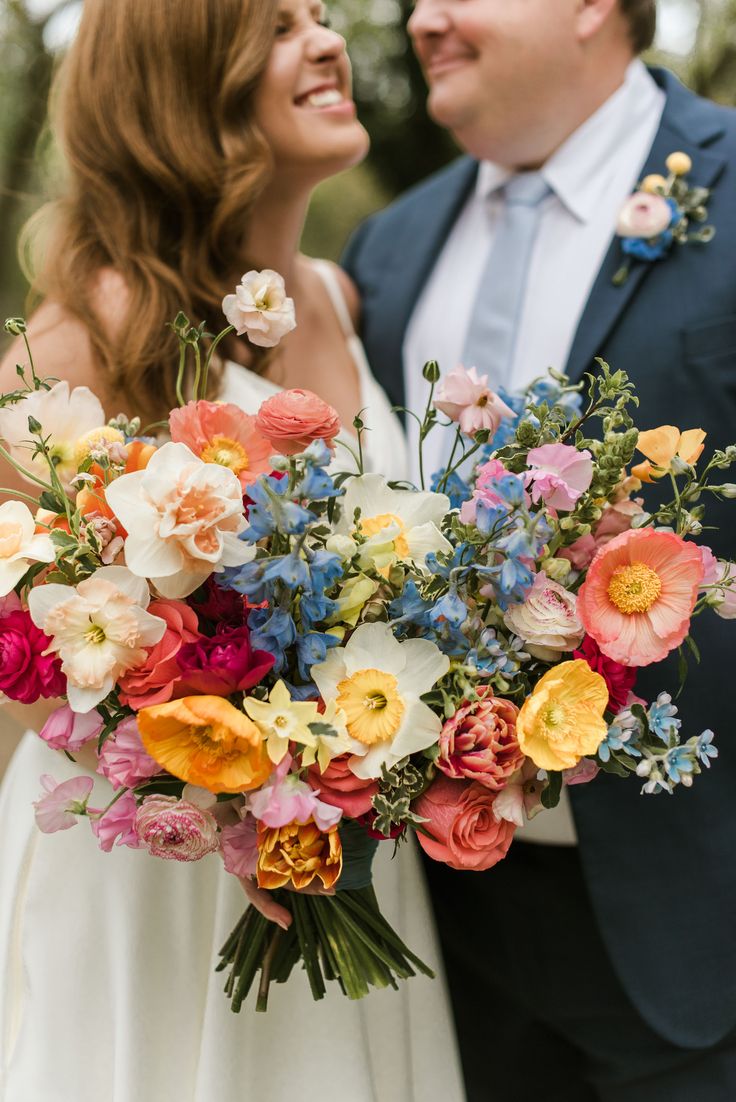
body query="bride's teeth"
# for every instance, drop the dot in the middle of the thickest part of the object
(325, 99)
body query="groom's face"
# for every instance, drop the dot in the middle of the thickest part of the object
(496, 69)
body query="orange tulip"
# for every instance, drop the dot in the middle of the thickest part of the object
(295, 854)
(660, 446)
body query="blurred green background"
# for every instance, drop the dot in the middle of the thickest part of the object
(696, 38)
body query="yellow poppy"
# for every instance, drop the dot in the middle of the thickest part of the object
(660, 446)
(562, 719)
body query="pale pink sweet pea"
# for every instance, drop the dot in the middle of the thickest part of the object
(711, 566)
(285, 799)
(240, 847)
(644, 214)
(117, 824)
(560, 474)
(62, 803)
(123, 758)
(466, 398)
(583, 773)
(260, 308)
(483, 490)
(70, 731)
(726, 608)
(521, 799)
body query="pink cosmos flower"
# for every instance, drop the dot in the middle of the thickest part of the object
(117, 824)
(156, 678)
(560, 474)
(27, 672)
(62, 804)
(240, 847)
(341, 788)
(223, 664)
(461, 828)
(285, 799)
(70, 731)
(466, 398)
(644, 214)
(175, 830)
(639, 594)
(219, 432)
(619, 679)
(479, 741)
(123, 758)
(292, 419)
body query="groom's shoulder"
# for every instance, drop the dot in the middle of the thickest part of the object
(709, 123)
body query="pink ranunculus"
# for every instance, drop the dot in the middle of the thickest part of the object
(583, 773)
(219, 432)
(175, 830)
(222, 664)
(293, 419)
(70, 731)
(62, 803)
(479, 742)
(155, 681)
(560, 474)
(466, 398)
(123, 758)
(547, 620)
(27, 672)
(239, 846)
(117, 824)
(644, 215)
(619, 679)
(483, 490)
(462, 829)
(339, 786)
(286, 799)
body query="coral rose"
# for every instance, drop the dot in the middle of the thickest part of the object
(479, 741)
(292, 419)
(339, 786)
(296, 854)
(463, 831)
(154, 681)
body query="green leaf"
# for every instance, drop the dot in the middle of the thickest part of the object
(551, 793)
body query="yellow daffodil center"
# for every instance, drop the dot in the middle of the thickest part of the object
(96, 635)
(634, 588)
(226, 452)
(372, 705)
(371, 526)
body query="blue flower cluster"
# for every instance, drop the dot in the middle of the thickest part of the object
(653, 248)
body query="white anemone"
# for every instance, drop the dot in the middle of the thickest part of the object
(19, 545)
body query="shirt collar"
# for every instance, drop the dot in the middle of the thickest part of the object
(580, 169)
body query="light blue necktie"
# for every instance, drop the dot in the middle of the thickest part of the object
(494, 321)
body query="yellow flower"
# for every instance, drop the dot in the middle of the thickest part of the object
(660, 446)
(562, 720)
(354, 595)
(653, 183)
(296, 854)
(98, 439)
(281, 720)
(207, 742)
(330, 738)
(679, 164)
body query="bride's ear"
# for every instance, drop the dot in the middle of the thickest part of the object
(593, 15)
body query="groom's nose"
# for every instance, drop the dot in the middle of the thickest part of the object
(430, 18)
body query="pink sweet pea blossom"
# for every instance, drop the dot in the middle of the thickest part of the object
(117, 824)
(466, 398)
(285, 799)
(123, 758)
(239, 847)
(560, 476)
(483, 491)
(521, 799)
(726, 608)
(583, 773)
(68, 730)
(63, 803)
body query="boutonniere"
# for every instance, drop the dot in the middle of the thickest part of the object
(660, 213)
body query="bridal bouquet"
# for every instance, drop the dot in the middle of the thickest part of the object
(278, 657)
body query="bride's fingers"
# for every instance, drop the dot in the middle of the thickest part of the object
(264, 903)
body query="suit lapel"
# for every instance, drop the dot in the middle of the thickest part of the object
(687, 123)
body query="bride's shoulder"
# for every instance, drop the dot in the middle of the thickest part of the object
(347, 289)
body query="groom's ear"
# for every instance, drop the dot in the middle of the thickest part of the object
(594, 15)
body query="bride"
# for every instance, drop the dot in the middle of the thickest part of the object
(194, 132)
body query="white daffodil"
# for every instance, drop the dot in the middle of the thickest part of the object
(377, 682)
(183, 517)
(19, 545)
(399, 524)
(64, 417)
(282, 720)
(99, 629)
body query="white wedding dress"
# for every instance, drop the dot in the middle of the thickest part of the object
(107, 985)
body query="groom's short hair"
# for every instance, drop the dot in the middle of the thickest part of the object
(642, 19)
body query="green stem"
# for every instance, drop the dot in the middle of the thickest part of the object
(262, 1001)
(19, 493)
(210, 354)
(24, 471)
(197, 371)
(180, 374)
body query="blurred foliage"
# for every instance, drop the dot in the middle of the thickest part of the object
(406, 146)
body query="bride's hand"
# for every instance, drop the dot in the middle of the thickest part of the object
(265, 904)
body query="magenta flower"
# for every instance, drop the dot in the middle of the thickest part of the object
(239, 847)
(466, 398)
(63, 802)
(123, 757)
(117, 824)
(70, 731)
(223, 664)
(26, 671)
(175, 830)
(619, 679)
(561, 474)
(285, 799)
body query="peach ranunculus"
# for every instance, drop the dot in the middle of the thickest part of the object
(660, 446)
(153, 682)
(292, 419)
(466, 398)
(339, 786)
(219, 432)
(183, 517)
(207, 742)
(461, 829)
(479, 741)
(547, 620)
(644, 214)
(296, 854)
(260, 308)
(561, 721)
(639, 595)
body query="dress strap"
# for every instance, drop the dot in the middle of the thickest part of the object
(332, 285)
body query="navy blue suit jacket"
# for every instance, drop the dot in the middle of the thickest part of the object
(661, 870)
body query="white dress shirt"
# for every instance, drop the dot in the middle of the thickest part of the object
(590, 175)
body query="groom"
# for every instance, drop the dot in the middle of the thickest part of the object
(598, 962)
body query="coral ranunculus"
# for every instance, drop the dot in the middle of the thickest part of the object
(561, 721)
(207, 742)
(479, 741)
(639, 595)
(296, 854)
(339, 786)
(153, 682)
(219, 432)
(292, 419)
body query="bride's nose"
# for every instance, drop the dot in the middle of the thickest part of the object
(324, 44)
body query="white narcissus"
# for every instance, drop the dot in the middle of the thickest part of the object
(377, 682)
(183, 517)
(99, 629)
(399, 524)
(64, 416)
(19, 544)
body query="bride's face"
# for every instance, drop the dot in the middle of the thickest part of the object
(304, 105)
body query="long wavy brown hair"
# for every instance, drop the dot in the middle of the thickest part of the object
(152, 110)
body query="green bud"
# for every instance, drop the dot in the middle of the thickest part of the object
(728, 490)
(15, 327)
(431, 371)
(34, 426)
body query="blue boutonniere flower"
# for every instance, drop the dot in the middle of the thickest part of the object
(661, 212)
